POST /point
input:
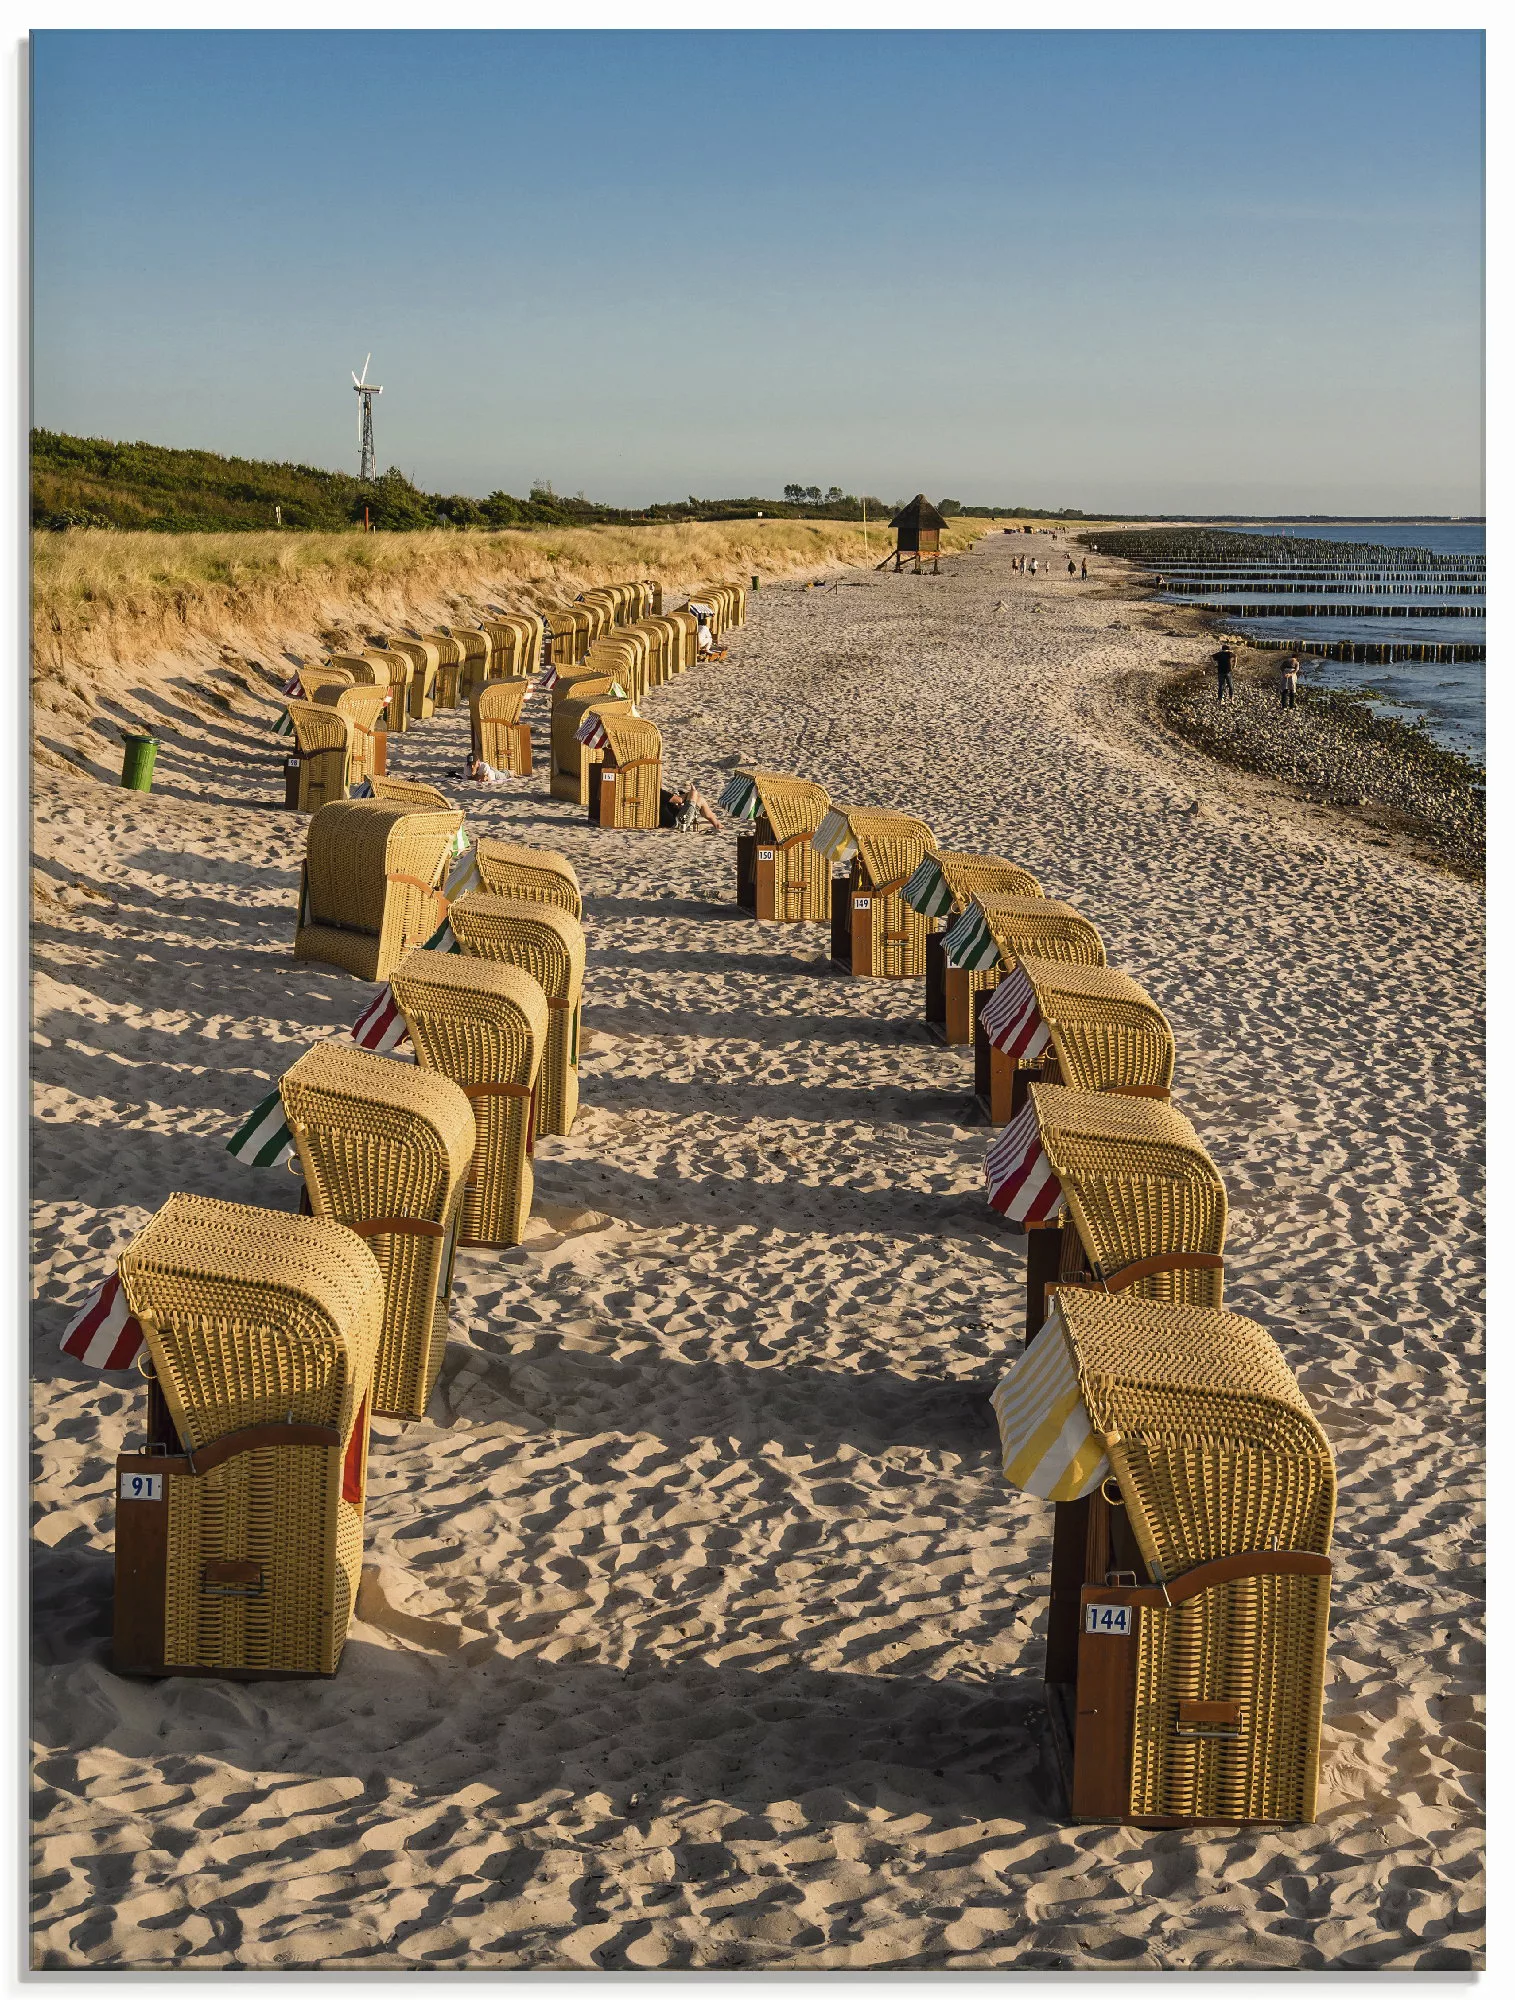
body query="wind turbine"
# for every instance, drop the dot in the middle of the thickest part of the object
(366, 392)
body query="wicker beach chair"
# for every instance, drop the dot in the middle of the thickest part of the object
(318, 680)
(361, 707)
(1089, 1026)
(978, 948)
(568, 630)
(530, 874)
(573, 760)
(625, 786)
(549, 944)
(370, 886)
(1114, 1192)
(874, 931)
(497, 731)
(424, 660)
(412, 794)
(940, 889)
(686, 641)
(398, 667)
(518, 644)
(486, 1027)
(476, 647)
(385, 1149)
(239, 1531)
(450, 657)
(1194, 1500)
(779, 875)
(317, 770)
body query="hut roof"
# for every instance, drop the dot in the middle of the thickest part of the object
(918, 513)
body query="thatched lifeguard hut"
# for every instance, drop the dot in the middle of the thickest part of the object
(918, 533)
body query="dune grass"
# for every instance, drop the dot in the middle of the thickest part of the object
(102, 595)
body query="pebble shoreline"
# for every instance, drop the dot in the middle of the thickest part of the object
(1336, 748)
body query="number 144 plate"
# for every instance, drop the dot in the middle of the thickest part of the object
(1112, 1618)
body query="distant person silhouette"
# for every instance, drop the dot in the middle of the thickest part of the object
(1225, 659)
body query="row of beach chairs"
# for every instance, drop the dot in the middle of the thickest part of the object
(1195, 1492)
(269, 1340)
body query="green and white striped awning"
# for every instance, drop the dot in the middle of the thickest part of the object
(740, 797)
(833, 838)
(927, 890)
(968, 944)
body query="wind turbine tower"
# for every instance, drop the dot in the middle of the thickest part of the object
(366, 392)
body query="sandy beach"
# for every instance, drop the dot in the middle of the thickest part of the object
(699, 1628)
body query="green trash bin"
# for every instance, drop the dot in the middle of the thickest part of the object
(137, 764)
(754, 583)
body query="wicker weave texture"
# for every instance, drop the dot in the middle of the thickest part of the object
(791, 806)
(385, 1141)
(634, 751)
(571, 759)
(531, 874)
(323, 744)
(253, 1316)
(372, 883)
(1038, 926)
(1137, 1183)
(549, 944)
(397, 667)
(486, 1027)
(1106, 1033)
(361, 707)
(412, 794)
(1217, 1454)
(964, 873)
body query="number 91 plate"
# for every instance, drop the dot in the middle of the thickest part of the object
(1114, 1619)
(142, 1486)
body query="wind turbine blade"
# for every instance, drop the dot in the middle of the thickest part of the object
(366, 359)
(355, 382)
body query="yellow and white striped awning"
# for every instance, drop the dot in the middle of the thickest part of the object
(1048, 1445)
(833, 838)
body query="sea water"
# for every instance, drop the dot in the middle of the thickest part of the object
(1450, 694)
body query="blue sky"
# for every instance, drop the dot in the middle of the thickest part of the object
(1158, 271)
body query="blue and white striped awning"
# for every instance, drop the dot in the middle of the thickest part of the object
(833, 838)
(739, 797)
(927, 890)
(967, 943)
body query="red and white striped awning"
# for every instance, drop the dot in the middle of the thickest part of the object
(103, 1333)
(591, 733)
(1012, 1020)
(1022, 1185)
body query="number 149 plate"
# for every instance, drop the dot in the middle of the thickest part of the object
(1112, 1618)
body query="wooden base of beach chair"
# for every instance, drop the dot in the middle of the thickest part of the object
(936, 988)
(380, 754)
(746, 872)
(518, 760)
(291, 784)
(1000, 1083)
(1044, 1253)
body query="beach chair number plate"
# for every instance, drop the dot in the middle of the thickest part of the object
(862, 902)
(765, 854)
(1112, 1618)
(142, 1486)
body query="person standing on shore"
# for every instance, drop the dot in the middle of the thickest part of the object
(1288, 683)
(1225, 659)
(1033, 565)
(1083, 570)
(1072, 567)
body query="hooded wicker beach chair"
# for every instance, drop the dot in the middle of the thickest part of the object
(413, 794)
(385, 1148)
(317, 770)
(476, 647)
(549, 944)
(585, 684)
(315, 681)
(424, 660)
(1088, 1026)
(621, 657)
(517, 645)
(625, 787)
(370, 886)
(1113, 1192)
(499, 735)
(239, 1531)
(398, 666)
(978, 948)
(569, 630)
(530, 874)
(360, 670)
(779, 875)
(450, 657)
(939, 889)
(572, 758)
(485, 1026)
(686, 641)
(1194, 1495)
(874, 931)
(361, 707)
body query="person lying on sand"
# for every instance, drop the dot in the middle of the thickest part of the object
(485, 774)
(682, 805)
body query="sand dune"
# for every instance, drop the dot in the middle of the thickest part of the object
(699, 1628)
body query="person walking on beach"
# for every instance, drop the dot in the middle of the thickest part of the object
(1072, 567)
(1288, 683)
(1083, 570)
(1033, 565)
(1225, 659)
